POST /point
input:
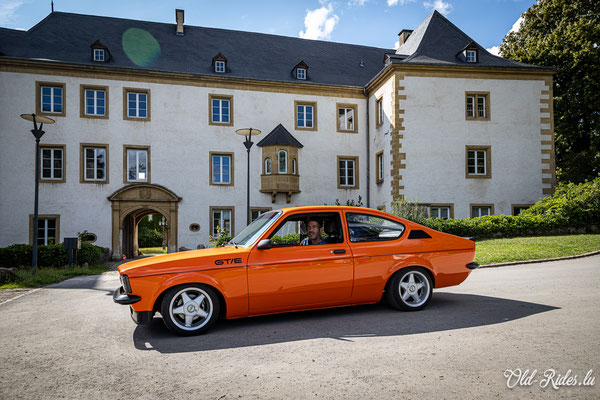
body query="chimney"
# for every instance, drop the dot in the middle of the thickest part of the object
(179, 19)
(403, 36)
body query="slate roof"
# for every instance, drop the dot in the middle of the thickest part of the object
(66, 38)
(437, 41)
(279, 136)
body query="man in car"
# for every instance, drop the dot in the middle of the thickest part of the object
(314, 231)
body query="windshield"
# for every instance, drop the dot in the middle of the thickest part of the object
(252, 232)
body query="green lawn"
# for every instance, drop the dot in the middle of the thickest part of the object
(46, 276)
(153, 250)
(534, 248)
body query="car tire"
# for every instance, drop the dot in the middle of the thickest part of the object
(190, 309)
(410, 289)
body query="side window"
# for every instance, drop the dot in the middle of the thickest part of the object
(371, 228)
(308, 229)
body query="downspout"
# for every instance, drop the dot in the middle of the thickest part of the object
(368, 153)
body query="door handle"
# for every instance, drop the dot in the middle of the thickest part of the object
(339, 251)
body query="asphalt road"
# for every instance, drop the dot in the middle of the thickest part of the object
(70, 340)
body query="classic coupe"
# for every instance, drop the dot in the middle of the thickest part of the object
(295, 259)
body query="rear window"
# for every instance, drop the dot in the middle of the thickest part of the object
(371, 228)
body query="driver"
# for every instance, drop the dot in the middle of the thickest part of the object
(314, 231)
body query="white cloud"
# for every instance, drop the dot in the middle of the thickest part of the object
(440, 5)
(319, 23)
(396, 44)
(495, 50)
(357, 2)
(392, 3)
(8, 10)
(517, 25)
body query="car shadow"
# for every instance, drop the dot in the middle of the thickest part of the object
(446, 311)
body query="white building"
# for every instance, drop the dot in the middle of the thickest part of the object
(146, 115)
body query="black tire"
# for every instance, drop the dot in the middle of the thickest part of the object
(410, 289)
(186, 313)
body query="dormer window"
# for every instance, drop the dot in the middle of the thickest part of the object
(99, 55)
(220, 66)
(471, 56)
(219, 63)
(301, 73)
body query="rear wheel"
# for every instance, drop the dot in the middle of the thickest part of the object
(190, 309)
(410, 289)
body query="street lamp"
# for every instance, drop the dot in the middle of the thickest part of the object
(38, 133)
(163, 223)
(248, 133)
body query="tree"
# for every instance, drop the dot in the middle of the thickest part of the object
(566, 34)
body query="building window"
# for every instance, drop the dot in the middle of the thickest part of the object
(52, 163)
(256, 212)
(347, 172)
(478, 163)
(94, 101)
(48, 229)
(301, 73)
(379, 109)
(477, 106)
(305, 115)
(346, 117)
(50, 98)
(294, 167)
(138, 164)
(267, 166)
(519, 208)
(99, 55)
(94, 163)
(221, 110)
(441, 211)
(471, 56)
(282, 158)
(221, 218)
(221, 168)
(379, 167)
(220, 66)
(136, 104)
(480, 210)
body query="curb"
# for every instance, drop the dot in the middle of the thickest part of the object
(593, 253)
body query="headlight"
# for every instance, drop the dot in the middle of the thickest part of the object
(125, 283)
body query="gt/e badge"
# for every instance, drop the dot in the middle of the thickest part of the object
(228, 261)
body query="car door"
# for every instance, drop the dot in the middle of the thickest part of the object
(290, 276)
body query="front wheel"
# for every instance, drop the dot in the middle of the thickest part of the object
(410, 289)
(190, 309)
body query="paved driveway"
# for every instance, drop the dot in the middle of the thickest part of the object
(70, 340)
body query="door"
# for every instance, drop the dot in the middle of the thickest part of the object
(294, 274)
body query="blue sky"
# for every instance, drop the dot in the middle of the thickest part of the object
(365, 22)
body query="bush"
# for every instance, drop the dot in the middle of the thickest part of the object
(149, 238)
(292, 238)
(52, 255)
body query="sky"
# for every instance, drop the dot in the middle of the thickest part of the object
(364, 22)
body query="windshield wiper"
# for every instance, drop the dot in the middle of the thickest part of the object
(233, 243)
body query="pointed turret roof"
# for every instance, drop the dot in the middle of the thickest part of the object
(280, 136)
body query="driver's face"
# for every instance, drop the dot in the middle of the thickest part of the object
(314, 231)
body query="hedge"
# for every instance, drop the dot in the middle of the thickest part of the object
(52, 255)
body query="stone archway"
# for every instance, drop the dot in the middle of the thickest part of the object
(135, 201)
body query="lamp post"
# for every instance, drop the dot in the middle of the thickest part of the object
(248, 133)
(37, 133)
(163, 223)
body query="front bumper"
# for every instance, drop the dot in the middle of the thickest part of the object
(141, 317)
(121, 297)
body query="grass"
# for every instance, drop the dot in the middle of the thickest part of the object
(534, 248)
(24, 278)
(153, 250)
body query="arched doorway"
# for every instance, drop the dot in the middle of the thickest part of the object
(132, 203)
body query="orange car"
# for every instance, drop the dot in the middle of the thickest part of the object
(294, 259)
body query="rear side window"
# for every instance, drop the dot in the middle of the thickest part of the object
(371, 228)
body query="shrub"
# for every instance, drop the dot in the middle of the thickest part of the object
(292, 238)
(149, 238)
(52, 255)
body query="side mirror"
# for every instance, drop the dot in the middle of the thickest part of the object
(264, 244)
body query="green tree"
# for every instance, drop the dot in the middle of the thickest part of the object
(566, 34)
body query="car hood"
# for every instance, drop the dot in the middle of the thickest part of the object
(193, 260)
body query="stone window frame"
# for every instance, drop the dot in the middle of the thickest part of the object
(63, 147)
(82, 147)
(38, 98)
(450, 206)
(379, 163)
(312, 104)
(379, 114)
(514, 206)
(125, 163)
(232, 221)
(475, 96)
(231, 167)
(262, 210)
(214, 96)
(45, 216)
(488, 162)
(126, 91)
(356, 174)
(472, 206)
(82, 101)
(338, 106)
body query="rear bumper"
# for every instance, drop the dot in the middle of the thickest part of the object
(120, 297)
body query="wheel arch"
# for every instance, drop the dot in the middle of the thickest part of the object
(428, 271)
(164, 288)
